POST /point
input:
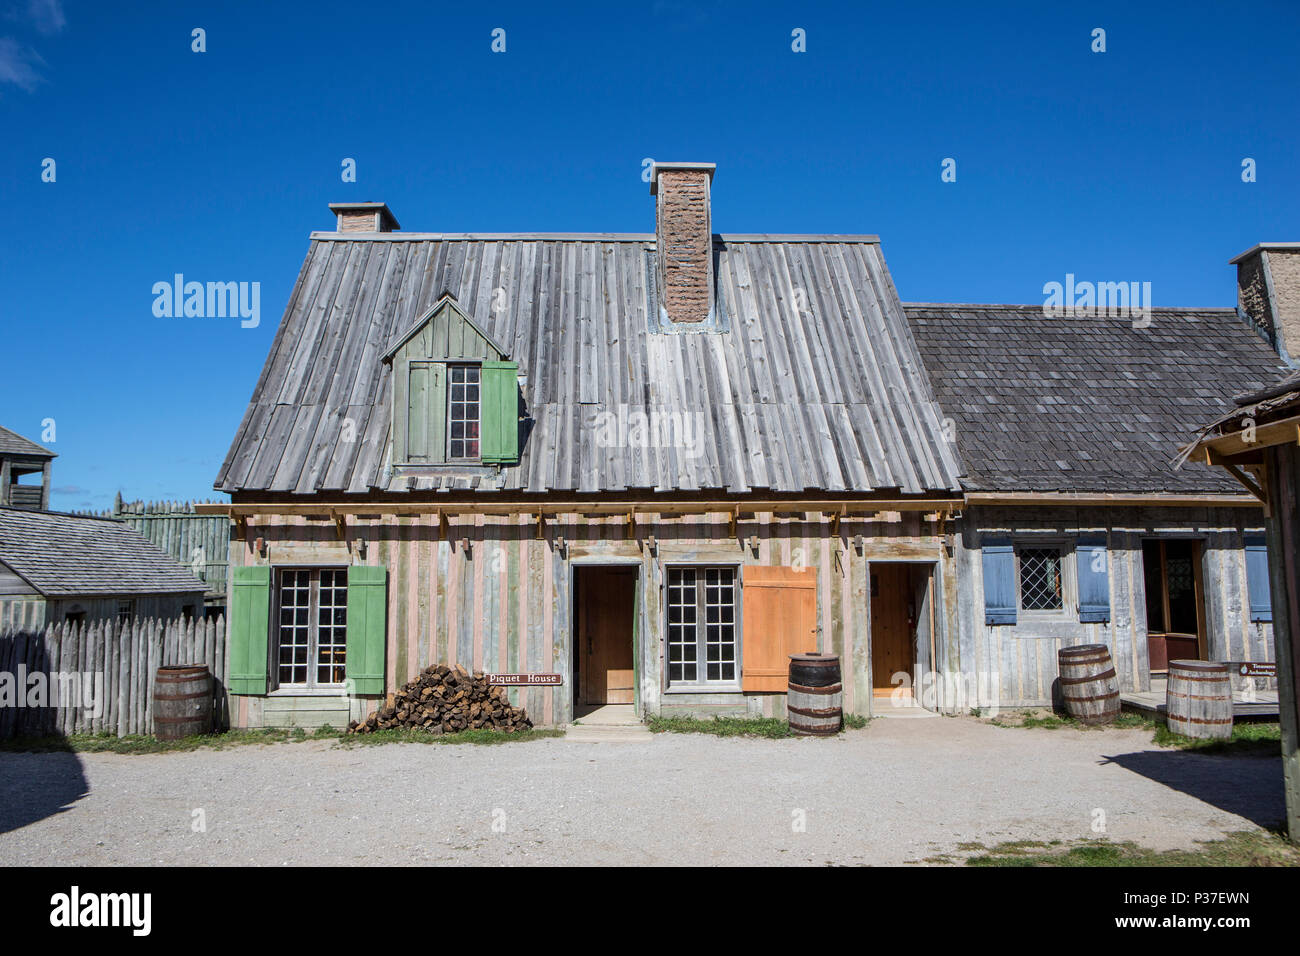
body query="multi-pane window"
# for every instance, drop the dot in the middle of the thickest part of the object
(125, 610)
(311, 645)
(1040, 579)
(702, 626)
(462, 412)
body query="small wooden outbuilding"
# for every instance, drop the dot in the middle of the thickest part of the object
(60, 567)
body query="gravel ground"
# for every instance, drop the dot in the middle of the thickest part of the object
(899, 791)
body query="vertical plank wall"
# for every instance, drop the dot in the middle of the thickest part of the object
(506, 605)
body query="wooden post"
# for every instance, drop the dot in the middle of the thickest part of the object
(1284, 585)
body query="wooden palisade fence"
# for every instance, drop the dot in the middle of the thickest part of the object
(126, 653)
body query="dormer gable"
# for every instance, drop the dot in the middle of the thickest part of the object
(455, 393)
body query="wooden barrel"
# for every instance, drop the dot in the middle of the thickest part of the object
(814, 701)
(1089, 687)
(182, 701)
(1198, 699)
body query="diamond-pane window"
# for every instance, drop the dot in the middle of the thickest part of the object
(1040, 579)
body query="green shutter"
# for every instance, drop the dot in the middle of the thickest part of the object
(367, 633)
(500, 397)
(250, 604)
(417, 417)
(423, 398)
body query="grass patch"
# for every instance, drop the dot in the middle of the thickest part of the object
(1044, 719)
(771, 728)
(411, 735)
(143, 744)
(1236, 849)
(140, 744)
(1247, 740)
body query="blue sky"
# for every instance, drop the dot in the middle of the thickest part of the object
(1117, 166)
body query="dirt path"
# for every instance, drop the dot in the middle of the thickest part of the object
(899, 791)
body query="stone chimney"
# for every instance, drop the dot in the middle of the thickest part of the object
(1268, 292)
(683, 240)
(364, 217)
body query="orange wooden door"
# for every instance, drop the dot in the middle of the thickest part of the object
(606, 605)
(780, 619)
(891, 632)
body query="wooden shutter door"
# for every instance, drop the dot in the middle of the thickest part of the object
(1257, 583)
(1093, 573)
(500, 397)
(779, 619)
(367, 628)
(250, 614)
(999, 559)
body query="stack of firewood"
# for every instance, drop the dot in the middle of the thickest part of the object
(444, 700)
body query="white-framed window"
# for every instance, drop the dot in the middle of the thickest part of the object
(311, 629)
(463, 412)
(702, 646)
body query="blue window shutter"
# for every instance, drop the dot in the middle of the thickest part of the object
(1094, 579)
(999, 582)
(1261, 603)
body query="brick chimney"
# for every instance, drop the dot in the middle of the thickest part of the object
(364, 217)
(684, 240)
(1268, 292)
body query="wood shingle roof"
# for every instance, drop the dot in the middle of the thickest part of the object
(66, 555)
(12, 443)
(1085, 403)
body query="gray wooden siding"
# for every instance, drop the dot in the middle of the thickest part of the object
(1021, 658)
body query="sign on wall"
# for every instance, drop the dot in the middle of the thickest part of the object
(526, 680)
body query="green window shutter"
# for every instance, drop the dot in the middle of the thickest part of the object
(425, 402)
(500, 397)
(250, 614)
(367, 631)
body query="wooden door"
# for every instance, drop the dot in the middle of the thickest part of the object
(1175, 602)
(891, 631)
(606, 604)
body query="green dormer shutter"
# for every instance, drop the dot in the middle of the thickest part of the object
(500, 413)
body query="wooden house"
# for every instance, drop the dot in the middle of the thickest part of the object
(1077, 528)
(643, 468)
(60, 567)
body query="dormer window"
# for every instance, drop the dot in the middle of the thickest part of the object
(455, 393)
(463, 412)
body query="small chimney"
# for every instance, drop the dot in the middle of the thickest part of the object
(684, 240)
(364, 217)
(1268, 292)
